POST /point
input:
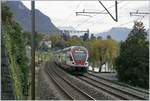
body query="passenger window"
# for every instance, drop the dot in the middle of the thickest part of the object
(70, 58)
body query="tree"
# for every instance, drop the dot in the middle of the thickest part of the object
(86, 36)
(102, 51)
(61, 44)
(99, 37)
(132, 64)
(93, 37)
(27, 38)
(6, 14)
(55, 38)
(108, 36)
(65, 36)
(74, 41)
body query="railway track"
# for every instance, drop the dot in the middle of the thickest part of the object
(110, 88)
(93, 92)
(113, 89)
(71, 91)
(66, 94)
(121, 84)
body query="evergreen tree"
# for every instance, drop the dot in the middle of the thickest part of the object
(132, 64)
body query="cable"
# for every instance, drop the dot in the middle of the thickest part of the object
(95, 15)
(126, 2)
(67, 18)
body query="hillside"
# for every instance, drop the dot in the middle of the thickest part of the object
(117, 33)
(23, 16)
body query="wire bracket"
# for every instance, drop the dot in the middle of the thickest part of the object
(116, 11)
(107, 12)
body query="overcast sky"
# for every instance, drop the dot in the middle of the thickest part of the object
(62, 13)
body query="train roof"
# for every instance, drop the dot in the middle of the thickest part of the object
(69, 48)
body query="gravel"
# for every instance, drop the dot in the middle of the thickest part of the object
(96, 93)
(45, 88)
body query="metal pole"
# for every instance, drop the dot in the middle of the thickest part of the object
(33, 51)
(109, 12)
(116, 10)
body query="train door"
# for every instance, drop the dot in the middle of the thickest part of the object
(69, 58)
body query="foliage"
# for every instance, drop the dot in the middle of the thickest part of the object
(6, 14)
(27, 38)
(102, 51)
(85, 36)
(57, 41)
(65, 36)
(74, 41)
(92, 36)
(133, 60)
(108, 37)
(99, 37)
(14, 42)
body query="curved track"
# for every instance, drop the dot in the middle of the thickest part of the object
(121, 84)
(71, 91)
(66, 94)
(113, 89)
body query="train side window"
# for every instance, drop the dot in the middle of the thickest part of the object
(70, 58)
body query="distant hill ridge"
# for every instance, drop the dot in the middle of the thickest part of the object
(117, 33)
(23, 16)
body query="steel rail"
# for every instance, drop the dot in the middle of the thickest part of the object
(57, 83)
(74, 86)
(104, 89)
(114, 82)
(107, 87)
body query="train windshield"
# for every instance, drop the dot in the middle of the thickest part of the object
(80, 55)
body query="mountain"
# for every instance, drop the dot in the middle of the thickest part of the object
(117, 33)
(23, 16)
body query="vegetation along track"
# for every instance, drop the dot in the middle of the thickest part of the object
(72, 92)
(114, 89)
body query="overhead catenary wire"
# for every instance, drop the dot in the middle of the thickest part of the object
(122, 23)
(68, 17)
(85, 21)
(123, 5)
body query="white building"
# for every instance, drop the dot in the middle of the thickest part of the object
(46, 42)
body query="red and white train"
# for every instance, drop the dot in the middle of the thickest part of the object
(74, 59)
